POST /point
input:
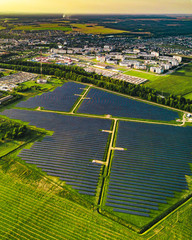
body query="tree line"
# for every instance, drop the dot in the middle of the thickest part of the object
(76, 73)
(12, 130)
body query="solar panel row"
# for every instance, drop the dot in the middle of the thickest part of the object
(61, 99)
(67, 154)
(101, 103)
(152, 168)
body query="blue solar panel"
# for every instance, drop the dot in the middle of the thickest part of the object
(131, 212)
(131, 200)
(61, 99)
(139, 197)
(102, 102)
(76, 140)
(154, 165)
(134, 204)
(127, 207)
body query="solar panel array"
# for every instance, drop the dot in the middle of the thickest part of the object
(61, 99)
(151, 169)
(102, 103)
(67, 154)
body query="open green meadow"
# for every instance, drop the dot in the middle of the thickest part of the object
(178, 83)
(42, 27)
(35, 88)
(46, 86)
(148, 76)
(32, 207)
(95, 29)
(188, 96)
(8, 146)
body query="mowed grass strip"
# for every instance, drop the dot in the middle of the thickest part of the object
(95, 29)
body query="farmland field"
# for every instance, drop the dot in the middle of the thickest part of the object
(35, 211)
(102, 103)
(150, 175)
(41, 214)
(95, 29)
(61, 99)
(42, 27)
(67, 154)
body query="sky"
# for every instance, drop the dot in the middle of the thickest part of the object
(97, 6)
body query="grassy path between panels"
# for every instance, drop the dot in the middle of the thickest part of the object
(108, 117)
(82, 97)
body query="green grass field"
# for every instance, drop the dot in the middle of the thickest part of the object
(45, 86)
(148, 76)
(8, 146)
(41, 27)
(49, 86)
(178, 83)
(95, 29)
(188, 96)
(31, 208)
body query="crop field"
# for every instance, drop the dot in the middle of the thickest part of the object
(61, 99)
(43, 27)
(178, 83)
(67, 154)
(150, 175)
(34, 211)
(94, 29)
(103, 103)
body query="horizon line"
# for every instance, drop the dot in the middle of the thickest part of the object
(97, 14)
